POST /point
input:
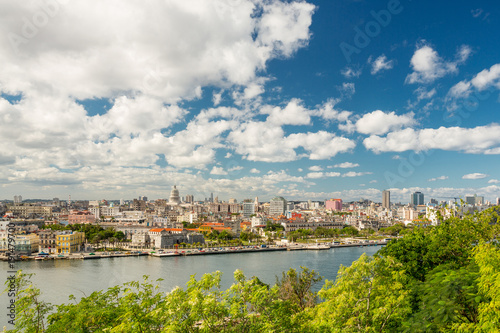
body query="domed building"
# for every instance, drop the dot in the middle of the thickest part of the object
(174, 196)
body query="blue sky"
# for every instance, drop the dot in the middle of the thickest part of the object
(307, 100)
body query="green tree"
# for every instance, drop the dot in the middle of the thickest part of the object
(487, 257)
(448, 296)
(349, 231)
(368, 296)
(225, 235)
(296, 287)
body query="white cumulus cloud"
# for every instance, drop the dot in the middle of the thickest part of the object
(438, 178)
(475, 175)
(218, 171)
(477, 140)
(346, 165)
(315, 168)
(379, 122)
(380, 64)
(483, 80)
(428, 66)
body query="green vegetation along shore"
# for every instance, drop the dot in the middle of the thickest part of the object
(435, 279)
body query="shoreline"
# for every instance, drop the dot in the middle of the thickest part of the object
(161, 253)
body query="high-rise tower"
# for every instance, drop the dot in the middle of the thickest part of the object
(386, 199)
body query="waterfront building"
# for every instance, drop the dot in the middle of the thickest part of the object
(277, 206)
(70, 241)
(386, 199)
(48, 242)
(23, 243)
(417, 198)
(141, 239)
(166, 237)
(333, 204)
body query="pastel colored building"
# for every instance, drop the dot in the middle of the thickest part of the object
(81, 217)
(70, 242)
(23, 243)
(334, 204)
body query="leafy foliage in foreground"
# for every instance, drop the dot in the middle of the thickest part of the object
(437, 279)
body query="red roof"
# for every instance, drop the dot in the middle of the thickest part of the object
(221, 228)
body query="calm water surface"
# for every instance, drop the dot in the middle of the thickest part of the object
(57, 279)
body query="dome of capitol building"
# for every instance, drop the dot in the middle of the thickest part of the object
(174, 195)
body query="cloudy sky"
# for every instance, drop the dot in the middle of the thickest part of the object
(245, 98)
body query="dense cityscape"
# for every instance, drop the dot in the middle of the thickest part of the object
(165, 223)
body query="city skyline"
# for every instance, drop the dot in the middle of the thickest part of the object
(384, 201)
(304, 100)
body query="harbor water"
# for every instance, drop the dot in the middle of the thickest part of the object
(57, 279)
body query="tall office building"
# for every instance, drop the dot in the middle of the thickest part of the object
(18, 199)
(470, 200)
(417, 198)
(248, 208)
(189, 198)
(386, 199)
(277, 206)
(474, 200)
